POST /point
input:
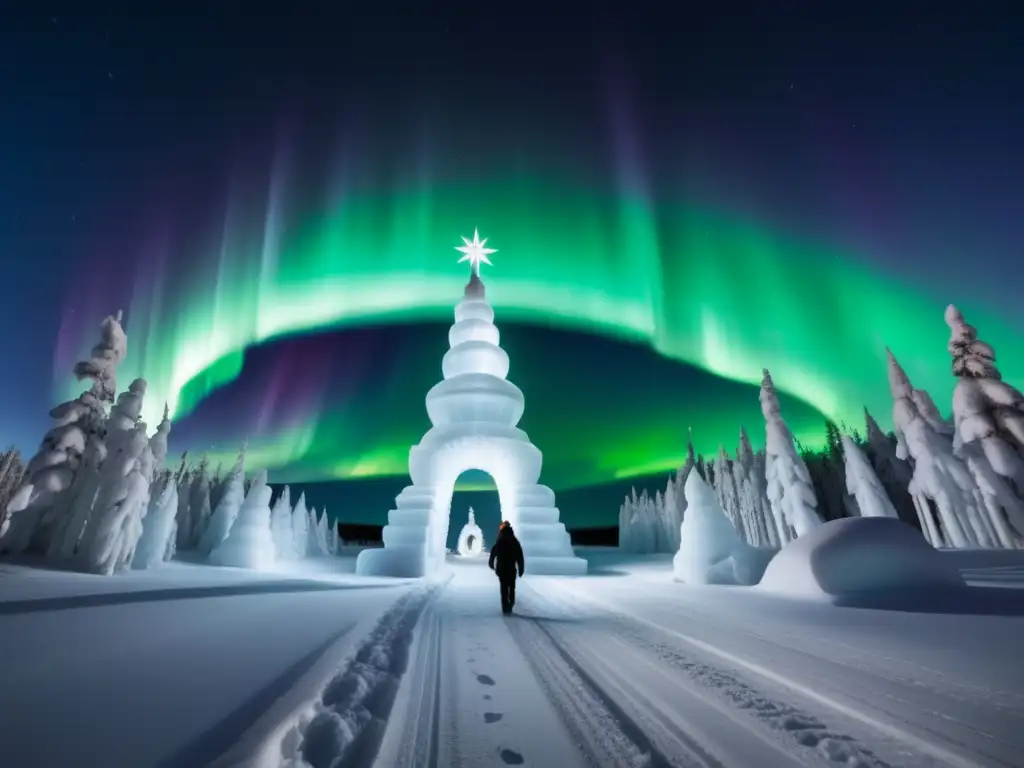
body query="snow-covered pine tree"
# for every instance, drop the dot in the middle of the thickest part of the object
(673, 517)
(321, 533)
(199, 508)
(790, 491)
(300, 527)
(183, 537)
(726, 491)
(216, 485)
(123, 495)
(894, 473)
(281, 526)
(988, 415)
(158, 523)
(249, 544)
(73, 446)
(231, 500)
(863, 484)
(313, 546)
(753, 490)
(942, 487)
(12, 473)
(333, 539)
(157, 542)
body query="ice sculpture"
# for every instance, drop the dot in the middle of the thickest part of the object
(471, 538)
(474, 411)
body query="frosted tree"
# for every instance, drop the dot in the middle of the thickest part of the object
(199, 509)
(333, 539)
(73, 446)
(711, 551)
(228, 508)
(790, 491)
(216, 485)
(988, 415)
(726, 491)
(300, 527)
(157, 542)
(122, 499)
(321, 534)
(672, 515)
(158, 523)
(281, 526)
(249, 544)
(313, 529)
(863, 484)
(12, 474)
(183, 517)
(894, 473)
(941, 486)
(753, 494)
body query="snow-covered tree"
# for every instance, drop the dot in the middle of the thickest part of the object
(333, 539)
(157, 542)
(316, 546)
(73, 446)
(753, 494)
(281, 526)
(894, 473)
(321, 534)
(250, 544)
(12, 474)
(790, 491)
(183, 537)
(673, 516)
(300, 527)
(988, 415)
(727, 492)
(122, 499)
(943, 489)
(199, 508)
(863, 484)
(711, 550)
(158, 523)
(228, 508)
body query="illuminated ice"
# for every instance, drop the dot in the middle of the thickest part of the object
(474, 411)
(471, 538)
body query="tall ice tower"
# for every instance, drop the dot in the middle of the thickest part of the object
(474, 411)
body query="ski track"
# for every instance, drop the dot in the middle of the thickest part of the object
(725, 675)
(355, 704)
(804, 736)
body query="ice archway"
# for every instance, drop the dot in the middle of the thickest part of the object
(474, 411)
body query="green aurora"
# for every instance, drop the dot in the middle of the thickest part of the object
(725, 296)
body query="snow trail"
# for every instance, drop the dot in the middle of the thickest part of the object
(808, 730)
(472, 699)
(353, 708)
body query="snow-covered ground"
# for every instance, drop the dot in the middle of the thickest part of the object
(191, 665)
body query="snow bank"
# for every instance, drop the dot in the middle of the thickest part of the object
(858, 556)
(710, 549)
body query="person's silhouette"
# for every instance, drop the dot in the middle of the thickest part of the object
(507, 561)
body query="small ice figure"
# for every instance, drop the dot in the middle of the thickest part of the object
(471, 539)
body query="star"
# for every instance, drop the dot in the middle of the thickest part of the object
(475, 252)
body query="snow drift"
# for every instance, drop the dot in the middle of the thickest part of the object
(858, 556)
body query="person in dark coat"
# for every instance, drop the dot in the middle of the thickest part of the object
(506, 560)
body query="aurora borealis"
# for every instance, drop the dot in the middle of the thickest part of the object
(289, 273)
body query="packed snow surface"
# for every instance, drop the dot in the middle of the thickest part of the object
(188, 666)
(858, 556)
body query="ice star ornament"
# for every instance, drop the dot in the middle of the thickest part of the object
(475, 252)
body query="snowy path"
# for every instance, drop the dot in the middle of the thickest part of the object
(168, 681)
(922, 689)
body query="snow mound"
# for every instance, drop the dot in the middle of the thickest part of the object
(859, 556)
(710, 549)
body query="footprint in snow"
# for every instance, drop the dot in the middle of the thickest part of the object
(485, 679)
(487, 696)
(492, 717)
(511, 757)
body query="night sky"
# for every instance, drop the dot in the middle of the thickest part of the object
(677, 201)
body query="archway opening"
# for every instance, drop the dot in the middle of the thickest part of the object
(474, 489)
